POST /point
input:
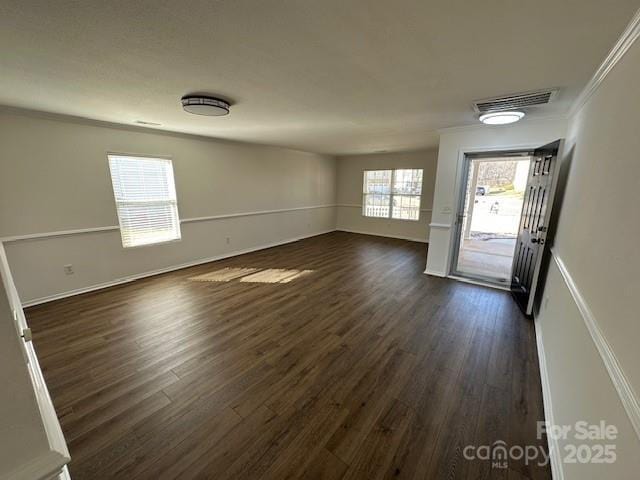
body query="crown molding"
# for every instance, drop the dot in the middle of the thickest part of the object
(628, 37)
(626, 40)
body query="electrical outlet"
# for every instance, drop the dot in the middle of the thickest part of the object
(228, 240)
(68, 269)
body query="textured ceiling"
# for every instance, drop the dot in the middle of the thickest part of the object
(331, 76)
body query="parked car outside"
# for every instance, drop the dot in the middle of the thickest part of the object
(482, 190)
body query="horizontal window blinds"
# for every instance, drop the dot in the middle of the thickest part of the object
(145, 195)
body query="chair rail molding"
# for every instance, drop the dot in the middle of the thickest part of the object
(625, 390)
(80, 231)
(440, 225)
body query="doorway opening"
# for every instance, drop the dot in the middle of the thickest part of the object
(489, 214)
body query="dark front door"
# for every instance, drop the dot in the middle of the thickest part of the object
(534, 224)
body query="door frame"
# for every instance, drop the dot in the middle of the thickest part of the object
(458, 198)
(458, 223)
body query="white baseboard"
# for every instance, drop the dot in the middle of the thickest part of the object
(435, 273)
(377, 234)
(554, 448)
(138, 276)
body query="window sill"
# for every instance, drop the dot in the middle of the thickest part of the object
(390, 218)
(164, 242)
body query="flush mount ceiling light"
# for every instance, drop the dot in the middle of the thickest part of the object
(501, 118)
(204, 105)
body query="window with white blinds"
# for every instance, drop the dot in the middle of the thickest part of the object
(145, 194)
(392, 193)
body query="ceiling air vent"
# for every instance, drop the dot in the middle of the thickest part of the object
(515, 101)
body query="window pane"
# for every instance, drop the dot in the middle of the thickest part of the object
(376, 187)
(407, 182)
(406, 207)
(376, 205)
(377, 181)
(145, 196)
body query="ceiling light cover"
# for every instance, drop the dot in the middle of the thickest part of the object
(201, 105)
(501, 118)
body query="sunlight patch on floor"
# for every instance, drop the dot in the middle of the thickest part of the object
(275, 275)
(252, 275)
(224, 275)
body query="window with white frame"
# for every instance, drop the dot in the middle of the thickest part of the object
(392, 193)
(145, 194)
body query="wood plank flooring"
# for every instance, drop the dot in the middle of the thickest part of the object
(363, 369)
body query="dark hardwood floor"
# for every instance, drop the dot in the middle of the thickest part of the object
(365, 368)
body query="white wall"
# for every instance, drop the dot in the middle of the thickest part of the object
(55, 178)
(349, 194)
(589, 323)
(454, 143)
